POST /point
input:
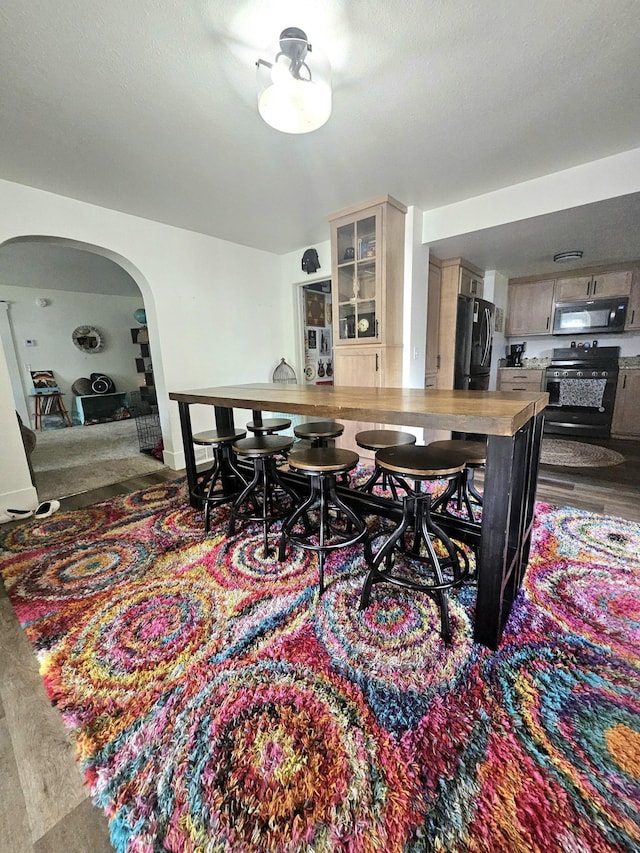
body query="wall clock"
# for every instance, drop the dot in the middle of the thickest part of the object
(87, 339)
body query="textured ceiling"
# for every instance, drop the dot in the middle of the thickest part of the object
(150, 107)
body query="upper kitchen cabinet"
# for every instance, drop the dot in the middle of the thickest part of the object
(367, 250)
(633, 313)
(529, 308)
(593, 286)
(468, 280)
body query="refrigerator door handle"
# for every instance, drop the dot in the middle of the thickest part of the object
(487, 343)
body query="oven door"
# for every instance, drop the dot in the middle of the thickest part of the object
(580, 406)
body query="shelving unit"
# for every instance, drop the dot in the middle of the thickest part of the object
(144, 365)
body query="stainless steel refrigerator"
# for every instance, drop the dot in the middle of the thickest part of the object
(474, 339)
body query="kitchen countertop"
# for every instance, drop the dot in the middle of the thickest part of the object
(629, 362)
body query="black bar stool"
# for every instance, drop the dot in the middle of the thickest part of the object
(319, 432)
(269, 426)
(218, 485)
(475, 453)
(322, 465)
(267, 498)
(378, 439)
(448, 570)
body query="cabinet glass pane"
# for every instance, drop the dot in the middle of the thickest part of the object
(366, 236)
(347, 322)
(346, 243)
(346, 283)
(366, 280)
(365, 321)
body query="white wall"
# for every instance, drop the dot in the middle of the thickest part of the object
(416, 275)
(51, 328)
(217, 312)
(16, 489)
(602, 179)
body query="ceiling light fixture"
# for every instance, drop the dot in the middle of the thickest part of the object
(294, 91)
(567, 257)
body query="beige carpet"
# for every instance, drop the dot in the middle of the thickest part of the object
(577, 454)
(74, 460)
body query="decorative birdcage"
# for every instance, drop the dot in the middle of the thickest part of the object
(285, 374)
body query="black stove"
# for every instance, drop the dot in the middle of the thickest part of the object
(582, 390)
(574, 362)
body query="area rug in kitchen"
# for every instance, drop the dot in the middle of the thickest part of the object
(577, 454)
(218, 705)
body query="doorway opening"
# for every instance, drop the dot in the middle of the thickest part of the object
(317, 328)
(73, 330)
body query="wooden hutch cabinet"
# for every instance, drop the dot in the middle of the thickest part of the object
(367, 266)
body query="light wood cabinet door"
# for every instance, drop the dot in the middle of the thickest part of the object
(626, 411)
(633, 313)
(569, 289)
(432, 348)
(470, 284)
(593, 286)
(529, 308)
(611, 284)
(358, 366)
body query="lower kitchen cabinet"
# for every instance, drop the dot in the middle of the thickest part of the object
(369, 366)
(520, 379)
(626, 411)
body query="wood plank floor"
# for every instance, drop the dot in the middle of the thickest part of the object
(44, 806)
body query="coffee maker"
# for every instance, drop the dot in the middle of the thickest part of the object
(514, 355)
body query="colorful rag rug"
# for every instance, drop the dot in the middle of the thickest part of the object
(218, 706)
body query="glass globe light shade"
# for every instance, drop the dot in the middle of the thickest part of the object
(295, 97)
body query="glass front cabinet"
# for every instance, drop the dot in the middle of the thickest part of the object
(367, 261)
(367, 245)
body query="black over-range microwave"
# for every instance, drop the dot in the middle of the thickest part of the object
(591, 315)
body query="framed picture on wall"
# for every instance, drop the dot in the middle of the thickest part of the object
(311, 339)
(314, 310)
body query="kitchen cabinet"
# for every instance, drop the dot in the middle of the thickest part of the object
(455, 273)
(468, 280)
(367, 262)
(521, 379)
(633, 314)
(529, 308)
(593, 286)
(372, 367)
(626, 410)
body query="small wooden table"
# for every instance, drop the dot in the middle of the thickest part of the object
(513, 424)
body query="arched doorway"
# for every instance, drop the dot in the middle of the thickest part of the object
(51, 286)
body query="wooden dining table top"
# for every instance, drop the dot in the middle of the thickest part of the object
(487, 412)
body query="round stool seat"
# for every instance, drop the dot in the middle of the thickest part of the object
(214, 436)
(420, 462)
(377, 439)
(262, 445)
(474, 451)
(319, 429)
(269, 425)
(327, 460)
